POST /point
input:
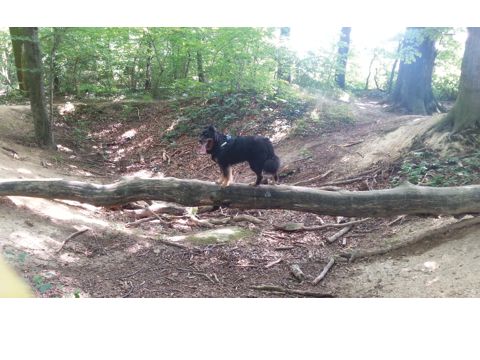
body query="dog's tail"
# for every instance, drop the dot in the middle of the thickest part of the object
(272, 164)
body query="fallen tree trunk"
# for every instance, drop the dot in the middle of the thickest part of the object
(404, 199)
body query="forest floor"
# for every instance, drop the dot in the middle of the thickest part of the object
(102, 142)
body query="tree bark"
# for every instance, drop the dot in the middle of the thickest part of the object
(17, 36)
(466, 111)
(200, 71)
(342, 57)
(405, 199)
(413, 89)
(38, 102)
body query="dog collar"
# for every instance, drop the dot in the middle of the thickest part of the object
(228, 138)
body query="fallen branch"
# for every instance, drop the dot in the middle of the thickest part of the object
(434, 234)
(157, 208)
(304, 182)
(399, 218)
(274, 262)
(171, 243)
(324, 271)
(292, 227)
(339, 234)
(74, 235)
(291, 292)
(352, 143)
(404, 199)
(140, 221)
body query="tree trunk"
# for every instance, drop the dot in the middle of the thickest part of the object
(466, 111)
(394, 67)
(370, 70)
(284, 62)
(405, 199)
(200, 71)
(53, 74)
(17, 35)
(38, 103)
(342, 57)
(413, 89)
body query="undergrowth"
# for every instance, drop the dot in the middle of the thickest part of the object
(427, 168)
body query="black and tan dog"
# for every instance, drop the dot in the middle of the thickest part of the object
(227, 151)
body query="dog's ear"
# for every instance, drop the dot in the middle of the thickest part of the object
(212, 128)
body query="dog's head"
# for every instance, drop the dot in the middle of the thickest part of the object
(207, 140)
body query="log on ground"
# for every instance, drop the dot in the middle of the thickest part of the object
(404, 199)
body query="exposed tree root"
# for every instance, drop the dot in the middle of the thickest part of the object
(279, 289)
(435, 234)
(74, 235)
(293, 227)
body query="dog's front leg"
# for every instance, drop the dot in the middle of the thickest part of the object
(226, 177)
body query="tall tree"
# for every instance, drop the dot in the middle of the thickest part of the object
(16, 35)
(34, 77)
(284, 56)
(466, 111)
(342, 57)
(413, 89)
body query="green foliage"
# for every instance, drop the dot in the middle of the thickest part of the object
(40, 284)
(446, 73)
(426, 168)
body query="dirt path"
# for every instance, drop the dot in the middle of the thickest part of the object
(111, 260)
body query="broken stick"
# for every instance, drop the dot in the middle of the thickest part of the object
(324, 271)
(339, 234)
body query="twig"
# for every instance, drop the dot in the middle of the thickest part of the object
(75, 234)
(291, 292)
(170, 243)
(297, 272)
(303, 182)
(339, 234)
(352, 143)
(324, 271)
(400, 218)
(270, 264)
(138, 222)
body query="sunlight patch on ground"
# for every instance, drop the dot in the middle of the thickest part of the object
(24, 171)
(56, 211)
(32, 240)
(67, 108)
(282, 129)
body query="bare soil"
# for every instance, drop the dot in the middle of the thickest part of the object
(112, 260)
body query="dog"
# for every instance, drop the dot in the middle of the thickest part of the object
(227, 151)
